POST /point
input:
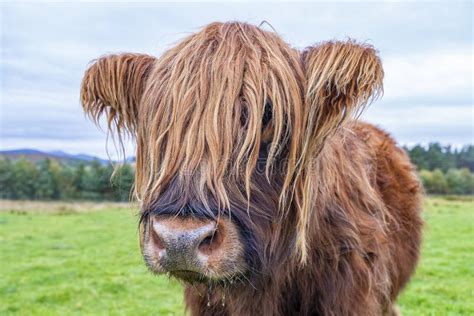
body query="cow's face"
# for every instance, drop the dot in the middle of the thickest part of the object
(195, 234)
(227, 125)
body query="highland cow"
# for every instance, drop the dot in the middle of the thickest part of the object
(258, 187)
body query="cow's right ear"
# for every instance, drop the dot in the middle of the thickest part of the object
(113, 86)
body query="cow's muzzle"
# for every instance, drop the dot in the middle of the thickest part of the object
(193, 249)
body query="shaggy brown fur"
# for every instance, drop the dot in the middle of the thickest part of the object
(234, 123)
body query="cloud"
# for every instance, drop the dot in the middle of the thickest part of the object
(441, 75)
(425, 47)
(425, 123)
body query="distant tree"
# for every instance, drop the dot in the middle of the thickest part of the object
(67, 186)
(24, 180)
(78, 178)
(105, 182)
(434, 181)
(465, 158)
(425, 178)
(7, 178)
(449, 159)
(467, 181)
(435, 157)
(418, 157)
(47, 184)
(123, 182)
(91, 182)
(455, 181)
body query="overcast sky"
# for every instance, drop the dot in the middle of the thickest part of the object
(426, 50)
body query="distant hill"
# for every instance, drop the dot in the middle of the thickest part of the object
(37, 155)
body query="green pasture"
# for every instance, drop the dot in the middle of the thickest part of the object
(69, 260)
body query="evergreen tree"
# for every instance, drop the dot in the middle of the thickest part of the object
(47, 186)
(6, 179)
(78, 179)
(67, 184)
(24, 180)
(123, 182)
(91, 182)
(465, 158)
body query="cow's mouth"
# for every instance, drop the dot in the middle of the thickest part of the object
(189, 276)
(192, 277)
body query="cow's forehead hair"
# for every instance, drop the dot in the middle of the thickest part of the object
(190, 127)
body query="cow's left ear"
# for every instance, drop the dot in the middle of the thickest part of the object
(113, 85)
(341, 78)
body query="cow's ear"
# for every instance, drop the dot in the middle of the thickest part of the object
(113, 85)
(341, 79)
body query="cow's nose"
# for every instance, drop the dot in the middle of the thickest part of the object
(184, 244)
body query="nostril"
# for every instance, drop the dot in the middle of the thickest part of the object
(210, 243)
(206, 241)
(157, 241)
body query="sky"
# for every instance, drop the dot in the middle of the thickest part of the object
(426, 50)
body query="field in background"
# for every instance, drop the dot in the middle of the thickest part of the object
(59, 207)
(66, 259)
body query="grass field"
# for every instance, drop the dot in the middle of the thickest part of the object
(65, 259)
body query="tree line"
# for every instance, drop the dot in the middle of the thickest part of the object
(434, 156)
(443, 170)
(49, 179)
